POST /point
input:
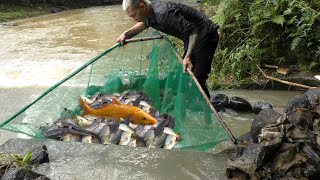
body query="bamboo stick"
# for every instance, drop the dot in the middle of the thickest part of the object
(224, 126)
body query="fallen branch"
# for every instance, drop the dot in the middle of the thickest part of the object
(255, 81)
(271, 66)
(283, 81)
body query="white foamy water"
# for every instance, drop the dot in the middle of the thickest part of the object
(41, 51)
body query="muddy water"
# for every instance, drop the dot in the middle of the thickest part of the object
(41, 51)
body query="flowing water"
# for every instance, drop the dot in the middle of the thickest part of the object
(41, 51)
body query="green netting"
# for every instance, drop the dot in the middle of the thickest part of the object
(148, 66)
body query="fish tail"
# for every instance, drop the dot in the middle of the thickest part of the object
(85, 107)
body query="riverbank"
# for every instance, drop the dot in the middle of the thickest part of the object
(293, 81)
(11, 11)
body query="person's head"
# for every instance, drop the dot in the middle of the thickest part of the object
(137, 9)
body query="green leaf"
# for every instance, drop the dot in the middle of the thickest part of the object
(295, 43)
(237, 16)
(309, 44)
(279, 20)
(312, 65)
(292, 20)
(27, 157)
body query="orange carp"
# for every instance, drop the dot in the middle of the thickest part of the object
(115, 110)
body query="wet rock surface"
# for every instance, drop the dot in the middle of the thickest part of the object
(22, 174)
(40, 156)
(240, 104)
(260, 105)
(221, 102)
(264, 118)
(245, 138)
(285, 146)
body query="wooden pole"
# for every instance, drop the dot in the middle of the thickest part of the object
(224, 126)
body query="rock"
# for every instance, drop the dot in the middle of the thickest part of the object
(285, 159)
(299, 112)
(310, 153)
(40, 156)
(236, 174)
(315, 175)
(21, 174)
(316, 125)
(313, 96)
(318, 141)
(8, 24)
(264, 118)
(299, 101)
(260, 105)
(245, 139)
(240, 104)
(303, 118)
(252, 158)
(296, 134)
(289, 143)
(219, 101)
(271, 132)
(56, 10)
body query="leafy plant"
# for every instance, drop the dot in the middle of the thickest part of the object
(15, 160)
(280, 32)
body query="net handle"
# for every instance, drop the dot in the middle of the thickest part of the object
(143, 39)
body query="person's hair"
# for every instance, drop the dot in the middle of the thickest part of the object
(128, 3)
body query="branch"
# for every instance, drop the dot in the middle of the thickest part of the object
(283, 81)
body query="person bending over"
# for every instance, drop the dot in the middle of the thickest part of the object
(198, 33)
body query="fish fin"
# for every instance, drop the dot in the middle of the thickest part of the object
(85, 107)
(114, 101)
(126, 120)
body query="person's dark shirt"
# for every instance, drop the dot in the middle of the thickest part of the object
(181, 21)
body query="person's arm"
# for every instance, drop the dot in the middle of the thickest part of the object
(136, 29)
(186, 61)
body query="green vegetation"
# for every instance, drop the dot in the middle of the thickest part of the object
(257, 32)
(8, 161)
(11, 11)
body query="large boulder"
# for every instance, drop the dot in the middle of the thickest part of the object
(298, 111)
(252, 158)
(313, 96)
(219, 101)
(240, 104)
(260, 105)
(298, 101)
(264, 118)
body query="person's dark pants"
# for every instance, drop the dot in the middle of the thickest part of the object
(202, 59)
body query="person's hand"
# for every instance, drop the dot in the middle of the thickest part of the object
(186, 63)
(122, 39)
